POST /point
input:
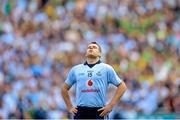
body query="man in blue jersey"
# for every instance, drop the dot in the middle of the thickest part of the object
(92, 79)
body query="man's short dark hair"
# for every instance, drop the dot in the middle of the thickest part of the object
(97, 45)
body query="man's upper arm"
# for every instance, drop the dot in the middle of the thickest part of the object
(122, 86)
(66, 86)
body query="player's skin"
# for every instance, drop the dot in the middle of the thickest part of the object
(93, 54)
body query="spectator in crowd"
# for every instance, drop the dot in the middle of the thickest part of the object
(40, 40)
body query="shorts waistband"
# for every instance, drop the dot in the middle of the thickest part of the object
(89, 108)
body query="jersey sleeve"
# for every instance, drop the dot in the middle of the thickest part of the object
(113, 78)
(71, 79)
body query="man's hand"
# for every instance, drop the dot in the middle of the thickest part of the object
(73, 110)
(105, 110)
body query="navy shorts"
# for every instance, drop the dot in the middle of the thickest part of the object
(88, 113)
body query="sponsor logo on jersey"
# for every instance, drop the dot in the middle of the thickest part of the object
(80, 74)
(90, 83)
(90, 90)
(98, 73)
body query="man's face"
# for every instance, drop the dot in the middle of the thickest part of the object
(93, 51)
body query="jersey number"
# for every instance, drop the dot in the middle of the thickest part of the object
(90, 74)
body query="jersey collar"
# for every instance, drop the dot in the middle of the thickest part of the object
(92, 65)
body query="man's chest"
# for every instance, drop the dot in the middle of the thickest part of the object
(91, 78)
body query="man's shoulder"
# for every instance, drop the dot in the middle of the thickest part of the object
(78, 66)
(106, 65)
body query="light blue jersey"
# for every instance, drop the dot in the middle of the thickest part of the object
(92, 83)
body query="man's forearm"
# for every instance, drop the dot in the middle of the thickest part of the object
(65, 94)
(119, 92)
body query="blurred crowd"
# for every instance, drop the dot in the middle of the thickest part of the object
(40, 40)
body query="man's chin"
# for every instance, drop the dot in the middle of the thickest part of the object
(91, 56)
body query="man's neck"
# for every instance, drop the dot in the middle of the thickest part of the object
(92, 60)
